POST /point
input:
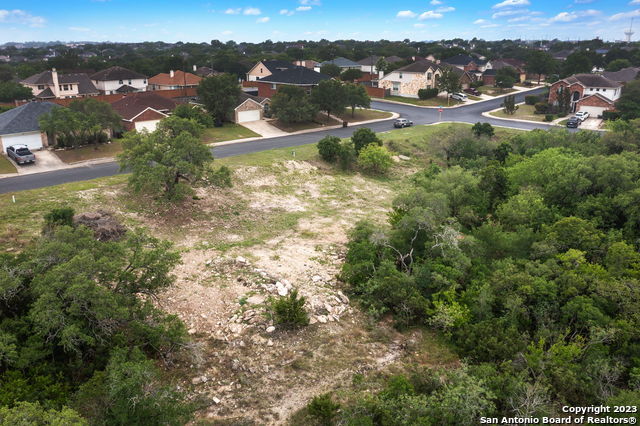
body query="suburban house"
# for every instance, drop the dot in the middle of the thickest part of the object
(250, 108)
(297, 76)
(623, 76)
(205, 71)
(407, 80)
(466, 77)
(119, 80)
(342, 63)
(20, 125)
(517, 65)
(393, 59)
(308, 63)
(468, 63)
(589, 92)
(143, 110)
(368, 64)
(51, 85)
(562, 55)
(174, 80)
(265, 68)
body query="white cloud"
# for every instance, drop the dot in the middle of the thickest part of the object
(634, 2)
(480, 21)
(79, 29)
(430, 14)
(564, 17)
(510, 3)
(232, 11)
(286, 12)
(252, 11)
(17, 16)
(406, 14)
(625, 15)
(263, 20)
(508, 13)
(303, 8)
(311, 2)
(419, 25)
(583, 1)
(519, 19)
(445, 9)
(435, 2)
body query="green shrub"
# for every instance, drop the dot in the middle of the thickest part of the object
(483, 129)
(221, 177)
(347, 155)
(329, 148)
(548, 117)
(363, 137)
(323, 409)
(427, 93)
(289, 311)
(531, 99)
(610, 115)
(62, 216)
(375, 159)
(541, 107)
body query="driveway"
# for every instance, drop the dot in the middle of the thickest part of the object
(46, 161)
(263, 128)
(591, 124)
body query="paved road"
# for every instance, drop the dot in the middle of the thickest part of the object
(467, 114)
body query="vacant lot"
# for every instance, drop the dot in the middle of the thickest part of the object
(284, 223)
(321, 120)
(494, 91)
(524, 112)
(361, 114)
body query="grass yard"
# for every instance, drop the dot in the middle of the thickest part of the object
(321, 121)
(363, 115)
(524, 112)
(434, 102)
(494, 91)
(6, 166)
(228, 132)
(90, 152)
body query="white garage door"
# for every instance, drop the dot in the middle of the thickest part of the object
(149, 126)
(32, 140)
(248, 116)
(593, 111)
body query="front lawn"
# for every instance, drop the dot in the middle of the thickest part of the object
(434, 102)
(363, 115)
(494, 91)
(228, 132)
(321, 121)
(6, 166)
(90, 152)
(524, 112)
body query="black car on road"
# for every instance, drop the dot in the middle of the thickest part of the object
(573, 122)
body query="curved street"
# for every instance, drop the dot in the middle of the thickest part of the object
(465, 114)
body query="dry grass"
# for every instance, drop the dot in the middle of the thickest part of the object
(90, 152)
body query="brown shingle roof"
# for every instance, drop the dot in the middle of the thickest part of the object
(116, 73)
(135, 103)
(179, 79)
(592, 80)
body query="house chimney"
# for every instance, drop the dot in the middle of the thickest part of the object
(172, 74)
(195, 68)
(56, 84)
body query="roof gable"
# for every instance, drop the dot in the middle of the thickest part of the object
(134, 104)
(24, 118)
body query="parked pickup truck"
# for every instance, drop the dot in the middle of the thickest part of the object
(21, 154)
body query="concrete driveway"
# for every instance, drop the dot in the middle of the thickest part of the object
(46, 161)
(264, 129)
(591, 124)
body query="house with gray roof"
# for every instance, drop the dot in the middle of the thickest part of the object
(119, 80)
(342, 63)
(296, 76)
(51, 85)
(265, 68)
(625, 75)
(20, 126)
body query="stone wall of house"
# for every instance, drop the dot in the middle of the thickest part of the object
(409, 89)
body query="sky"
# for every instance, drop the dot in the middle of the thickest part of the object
(258, 20)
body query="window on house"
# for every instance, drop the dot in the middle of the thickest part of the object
(604, 90)
(129, 81)
(260, 70)
(120, 82)
(144, 81)
(597, 90)
(428, 76)
(273, 86)
(400, 75)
